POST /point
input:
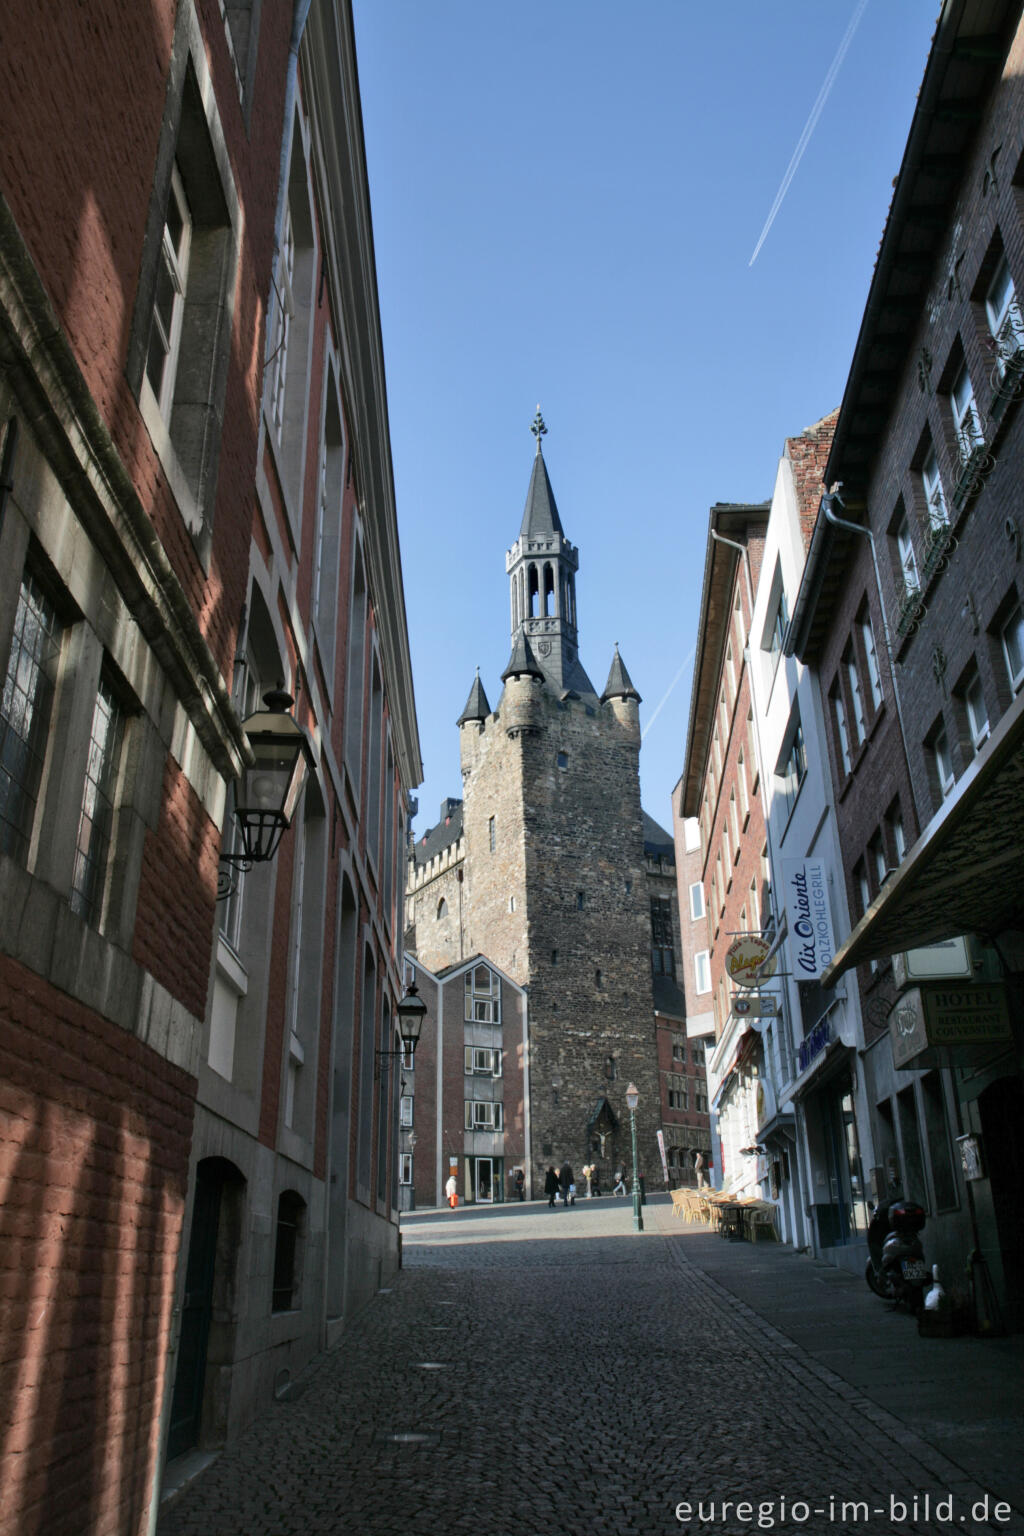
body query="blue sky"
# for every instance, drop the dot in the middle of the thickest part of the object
(566, 197)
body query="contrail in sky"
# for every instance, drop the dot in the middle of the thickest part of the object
(810, 125)
(686, 662)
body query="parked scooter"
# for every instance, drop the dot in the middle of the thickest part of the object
(896, 1268)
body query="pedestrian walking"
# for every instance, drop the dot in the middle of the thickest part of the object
(566, 1182)
(588, 1170)
(451, 1190)
(520, 1184)
(595, 1181)
(551, 1186)
(698, 1168)
(620, 1182)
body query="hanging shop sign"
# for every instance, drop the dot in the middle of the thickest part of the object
(661, 1149)
(747, 961)
(761, 1006)
(957, 1018)
(810, 920)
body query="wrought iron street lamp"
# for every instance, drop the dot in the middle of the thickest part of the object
(632, 1100)
(411, 1012)
(267, 794)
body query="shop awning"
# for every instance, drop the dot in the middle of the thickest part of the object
(965, 874)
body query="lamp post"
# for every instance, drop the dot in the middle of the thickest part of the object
(411, 1012)
(268, 791)
(632, 1100)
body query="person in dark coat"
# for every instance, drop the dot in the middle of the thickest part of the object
(566, 1181)
(551, 1186)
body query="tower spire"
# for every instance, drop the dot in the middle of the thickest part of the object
(538, 428)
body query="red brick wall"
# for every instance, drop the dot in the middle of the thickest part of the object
(94, 1146)
(808, 455)
(178, 894)
(79, 179)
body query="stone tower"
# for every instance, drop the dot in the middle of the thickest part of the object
(547, 875)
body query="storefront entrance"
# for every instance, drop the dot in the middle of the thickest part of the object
(843, 1218)
(483, 1180)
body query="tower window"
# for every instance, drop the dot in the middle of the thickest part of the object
(491, 835)
(597, 978)
(554, 957)
(663, 957)
(579, 901)
(562, 760)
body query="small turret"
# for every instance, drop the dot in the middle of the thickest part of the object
(521, 705)
(622, 698)
(477, 707)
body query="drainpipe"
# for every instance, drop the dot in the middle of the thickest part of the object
(829, 502)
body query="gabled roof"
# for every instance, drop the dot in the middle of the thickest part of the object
(619, 684)
(540, 516)
(477, 707)
(522, 662)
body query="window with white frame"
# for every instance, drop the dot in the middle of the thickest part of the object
(482, 1061)
(482, 996)
(974, 709)
(1003, 312)
(28, 696)
(741, 784)
(899, 836)
(405, 1168)
(730, 672)
(942, 763)
(867, 636)
(96, 820)
(966, 417)
(702, 970)
(907, 558)
(483, 1115)
(179, 346)
(842, 735)
(405, 1111)
(777, 621)
(792, 768)
(696, 901)
(492, 836)
(169, 297)
(1012, 641)
(934, 495)
(278, 362)
(734, 821)
(859, 722)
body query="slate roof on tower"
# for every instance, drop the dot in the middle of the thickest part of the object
(436, 839)
(540, 516)
(477, 707)
(619, 684)
(522, 662)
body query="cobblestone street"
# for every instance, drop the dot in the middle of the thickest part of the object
(537, 1371)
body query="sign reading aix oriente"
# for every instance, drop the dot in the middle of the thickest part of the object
(950, 1016)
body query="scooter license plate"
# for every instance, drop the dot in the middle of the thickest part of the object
(914, 1269)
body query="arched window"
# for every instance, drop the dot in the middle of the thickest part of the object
(442, 908)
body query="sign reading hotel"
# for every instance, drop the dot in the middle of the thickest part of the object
(810, 921)
(747, 962)
(947, 1016)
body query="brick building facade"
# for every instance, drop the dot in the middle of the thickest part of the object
(922, 550)
(546, 870)
(198, 1152)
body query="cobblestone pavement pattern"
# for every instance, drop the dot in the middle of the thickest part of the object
(532, 1372)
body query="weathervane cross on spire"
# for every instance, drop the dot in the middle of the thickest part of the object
(538, 428)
